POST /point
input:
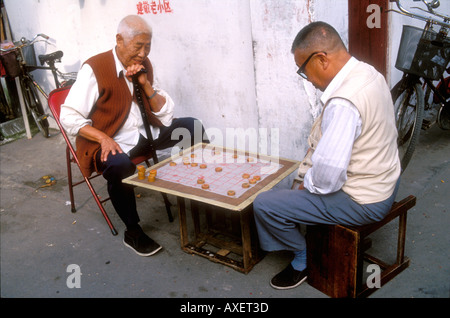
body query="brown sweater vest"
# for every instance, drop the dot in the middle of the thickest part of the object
(111, 110)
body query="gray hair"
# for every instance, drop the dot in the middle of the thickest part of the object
(132, 26)
(318, 36)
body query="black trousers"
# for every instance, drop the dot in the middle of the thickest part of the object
(120, 166)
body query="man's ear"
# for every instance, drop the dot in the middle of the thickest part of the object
(324, 61)
(119, 39)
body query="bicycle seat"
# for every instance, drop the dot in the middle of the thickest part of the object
(52, 57)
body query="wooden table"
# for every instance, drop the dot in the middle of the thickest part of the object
(223, 224)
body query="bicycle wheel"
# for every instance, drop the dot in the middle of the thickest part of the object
(443, 117)
(408, 97)
(34, 105)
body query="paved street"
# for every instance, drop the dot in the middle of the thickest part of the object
(40, 237)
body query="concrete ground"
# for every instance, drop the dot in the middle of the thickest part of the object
(40, 237)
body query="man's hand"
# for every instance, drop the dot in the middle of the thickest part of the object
(133, 70)
(108, 145)
(158, 101)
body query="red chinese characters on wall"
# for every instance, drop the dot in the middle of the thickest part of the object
(153, 7)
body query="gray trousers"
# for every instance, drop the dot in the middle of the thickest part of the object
(278, 214)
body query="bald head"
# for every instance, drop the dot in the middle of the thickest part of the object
(319, 53)
(318, 36)
(132, 26)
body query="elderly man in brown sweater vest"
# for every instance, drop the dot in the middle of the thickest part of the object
(101, 112)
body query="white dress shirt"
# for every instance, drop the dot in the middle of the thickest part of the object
(341, 126)
(83, 96)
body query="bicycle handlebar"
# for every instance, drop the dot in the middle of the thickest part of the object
(430, 6)
(25, 42)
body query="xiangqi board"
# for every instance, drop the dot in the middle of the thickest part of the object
(206, 172)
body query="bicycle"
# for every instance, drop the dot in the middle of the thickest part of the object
(20, 60)
(423, 57)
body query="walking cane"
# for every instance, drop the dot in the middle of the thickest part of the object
(140, 102)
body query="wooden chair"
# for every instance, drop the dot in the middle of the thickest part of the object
(55, 100)
(336, 255)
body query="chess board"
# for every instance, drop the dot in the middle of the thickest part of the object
(225, 177)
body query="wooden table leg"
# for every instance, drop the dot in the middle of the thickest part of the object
(195, 218)
(245, 246)
(246, 240)
(183, 225)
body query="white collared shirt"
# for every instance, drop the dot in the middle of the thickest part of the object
(83, 96)
(341, 126)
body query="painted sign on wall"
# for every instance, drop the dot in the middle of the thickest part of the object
(153, 7)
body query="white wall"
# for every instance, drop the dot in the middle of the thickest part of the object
(227, 62)
(283, 103)
(284, 100)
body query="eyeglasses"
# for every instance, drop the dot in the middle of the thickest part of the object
(301, 70)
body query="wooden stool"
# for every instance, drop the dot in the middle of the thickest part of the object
(336, 254)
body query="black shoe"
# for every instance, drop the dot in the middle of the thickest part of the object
(288, 278)
(141, 244)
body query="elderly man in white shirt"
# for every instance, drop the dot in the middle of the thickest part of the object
(101, 112)
(351, 171)
(84, 95)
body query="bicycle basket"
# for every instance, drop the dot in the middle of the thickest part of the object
(423, 53)
(10, 64)
(29, 55)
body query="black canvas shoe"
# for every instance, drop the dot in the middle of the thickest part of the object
(141, 244)
(288, 278)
